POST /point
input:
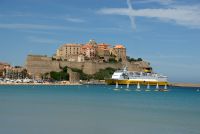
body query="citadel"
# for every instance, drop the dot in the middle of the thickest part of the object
(89, 57)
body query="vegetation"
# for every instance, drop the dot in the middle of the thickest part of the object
(83, 76)
(63, 75)
(139, 59)
(59, 75)
(133, 59)
(104, 73)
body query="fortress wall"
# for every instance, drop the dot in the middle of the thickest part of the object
(89, 67)
(40, 64)
(98, 66)
(78, 65)
(37, 64)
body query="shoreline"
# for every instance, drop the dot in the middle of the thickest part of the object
(192, 85)
(39, 84)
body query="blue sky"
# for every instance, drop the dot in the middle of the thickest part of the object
(164, 32)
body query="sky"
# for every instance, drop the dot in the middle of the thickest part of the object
(165, 33)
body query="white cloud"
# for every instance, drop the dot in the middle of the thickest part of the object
(188, 16)
(75, 20)
(43, 16)
(132, 18)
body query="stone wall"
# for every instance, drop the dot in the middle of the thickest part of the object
(38, 64)
(73, 76)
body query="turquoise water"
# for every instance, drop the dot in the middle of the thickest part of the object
(91, 109)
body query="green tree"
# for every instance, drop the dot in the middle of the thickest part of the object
(65, 69)
(59, 75)
(55, 75)
(139, 59)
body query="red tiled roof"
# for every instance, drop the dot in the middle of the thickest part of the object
(119, 46)
(87, 46)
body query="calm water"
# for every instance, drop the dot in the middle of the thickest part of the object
(98, 110)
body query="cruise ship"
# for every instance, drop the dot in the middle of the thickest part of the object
(138, 78)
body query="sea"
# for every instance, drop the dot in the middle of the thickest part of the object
(98, 109)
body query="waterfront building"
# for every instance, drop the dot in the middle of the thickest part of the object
(8, 71)
(3, 67)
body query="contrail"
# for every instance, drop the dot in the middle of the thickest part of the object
(184, 15)
(132, 18)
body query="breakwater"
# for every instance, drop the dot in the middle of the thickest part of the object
(185, 84)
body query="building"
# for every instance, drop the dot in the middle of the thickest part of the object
(103, 52)
(81, 58)
(89, 50)
(3, 67)
(76, 58)
(68, 52)
(8, 71)
(119, 51)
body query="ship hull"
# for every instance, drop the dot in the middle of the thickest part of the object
(135, 82)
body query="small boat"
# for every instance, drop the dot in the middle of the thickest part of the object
(162, 90)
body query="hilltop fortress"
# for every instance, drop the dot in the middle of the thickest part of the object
(89, 57)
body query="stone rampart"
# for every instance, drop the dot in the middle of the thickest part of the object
(38, 64)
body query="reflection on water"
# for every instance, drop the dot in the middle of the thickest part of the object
(101, 109)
